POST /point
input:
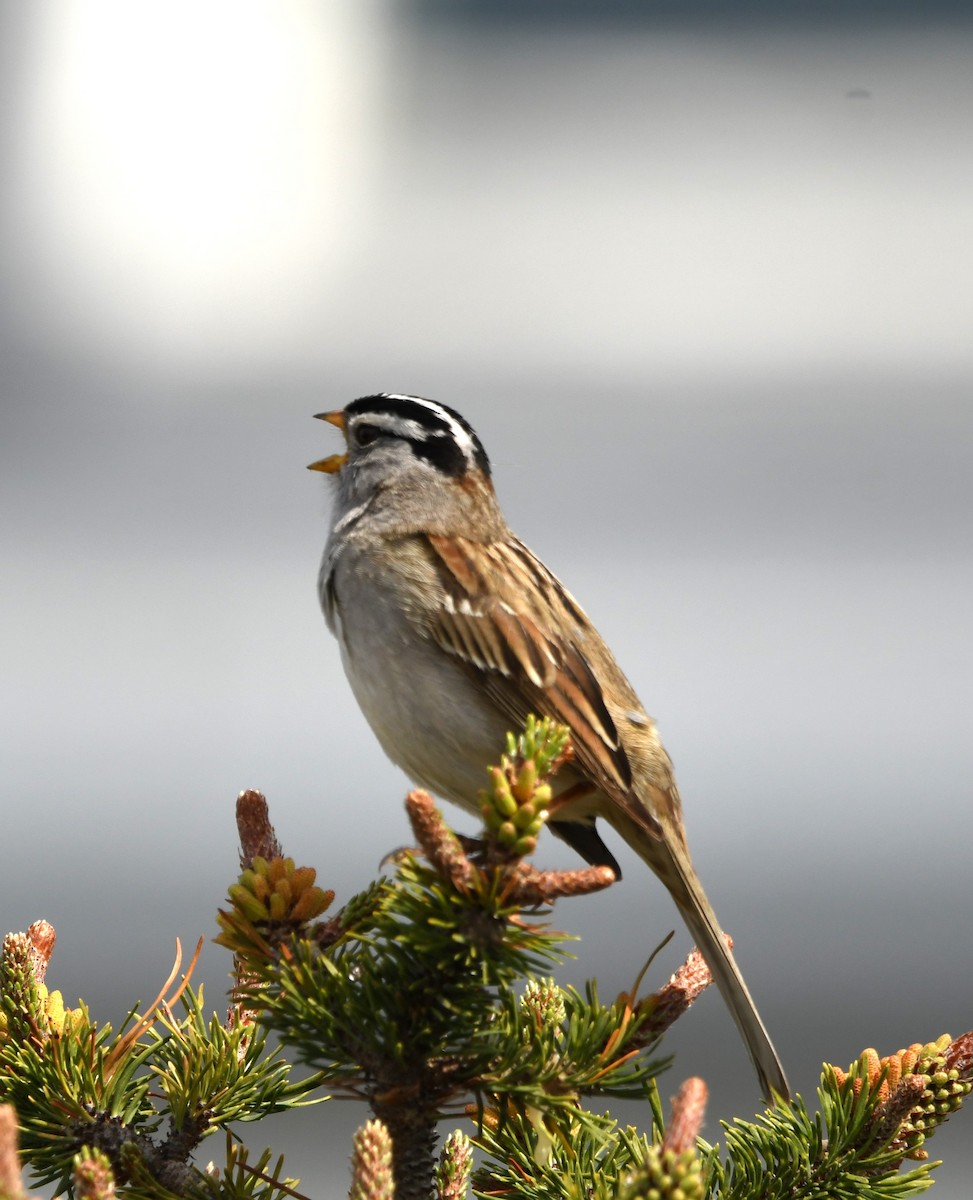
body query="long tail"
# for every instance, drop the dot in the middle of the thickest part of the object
(671, 863)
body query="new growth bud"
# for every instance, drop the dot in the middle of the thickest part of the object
(918, 1088)
(515, 804)
(269, 898)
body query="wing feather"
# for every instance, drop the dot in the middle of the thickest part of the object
(507, 614)
(527, 645)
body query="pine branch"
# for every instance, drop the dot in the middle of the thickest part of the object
(92, 1103)
(411, 998)
(427, 996)
(873, 1117)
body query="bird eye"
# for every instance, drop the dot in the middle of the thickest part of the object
(366, 434)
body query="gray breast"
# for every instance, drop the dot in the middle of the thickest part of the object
(423, 706)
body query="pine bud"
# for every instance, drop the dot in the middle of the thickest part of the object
(371, 1164)
(665, 1175)
(92, 1176)
(455, 1167)
(545, 1001)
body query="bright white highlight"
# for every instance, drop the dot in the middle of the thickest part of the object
(194, 170)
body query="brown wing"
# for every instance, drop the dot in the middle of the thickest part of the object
(502, 610)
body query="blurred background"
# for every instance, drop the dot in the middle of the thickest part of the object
(701, 275)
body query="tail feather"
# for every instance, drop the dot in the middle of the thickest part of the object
(673, 866)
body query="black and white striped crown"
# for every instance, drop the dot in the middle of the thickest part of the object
(436, 433)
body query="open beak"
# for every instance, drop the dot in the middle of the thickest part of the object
(334, 462)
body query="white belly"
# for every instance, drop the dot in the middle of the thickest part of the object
(423, 707)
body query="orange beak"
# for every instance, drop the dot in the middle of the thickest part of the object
(334, 462)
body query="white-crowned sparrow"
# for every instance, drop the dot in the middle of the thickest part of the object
(452, 632)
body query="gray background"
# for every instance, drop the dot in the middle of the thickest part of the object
(704, 285)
